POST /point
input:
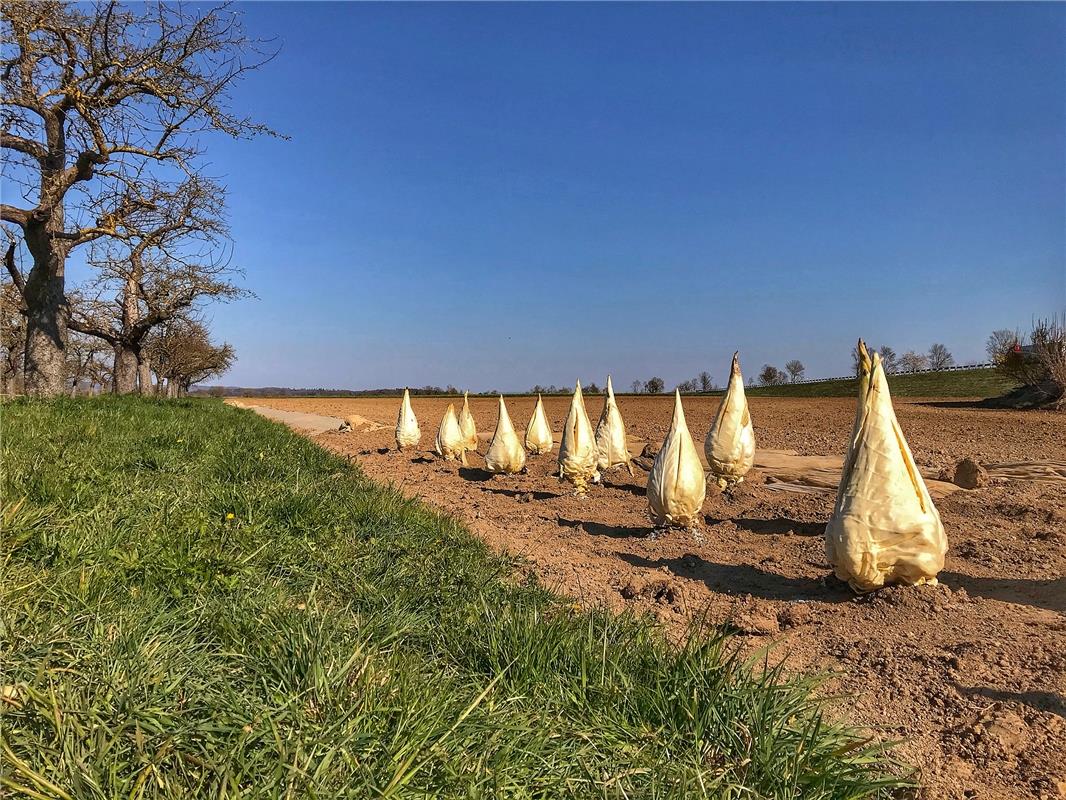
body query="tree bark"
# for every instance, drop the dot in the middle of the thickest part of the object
(144, 376)
(46, 332)
(124, 374)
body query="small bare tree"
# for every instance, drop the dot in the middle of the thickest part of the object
(889, 359)
(913, 362)
(159, 263)
(93, 94)
(772, 376)
(795, 369)
(86, 362)
(181, 354)
(636, 386)
(940, 357)
(654, 385)
(12, 335)
(706, 382)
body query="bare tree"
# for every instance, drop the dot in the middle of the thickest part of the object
(654, 385)
(889, 359)
(706, 382)
(795, 369)
(182, 354)
(913, 362)
(92, 96)
(772, 376)
(159, 263)
(636, 386)
(687, 386)
(12, 335)
(940, 357)
(86, 362)
(1001, 343)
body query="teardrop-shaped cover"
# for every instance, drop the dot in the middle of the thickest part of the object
(885, 528)
(506, 453)
(467, 426)
(407, 432)
(730, 444)
(677, 485)
(611, 435)
(450, 444)
(577, 451)
(539, 432)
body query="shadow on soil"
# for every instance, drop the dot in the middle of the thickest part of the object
(521, 493)
(734, 579)
(475, 474)
(775, 525)
(632, 488)
(599, 529)
(1049, 594)
(1042, 701)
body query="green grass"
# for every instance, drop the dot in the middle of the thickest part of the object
(958, 383)
(333, 639)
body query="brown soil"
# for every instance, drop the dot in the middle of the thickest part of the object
(969, 675)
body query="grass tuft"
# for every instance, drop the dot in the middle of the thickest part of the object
(195, 602)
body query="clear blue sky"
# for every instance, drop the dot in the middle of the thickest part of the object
(500, 195)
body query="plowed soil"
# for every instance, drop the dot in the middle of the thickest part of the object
(969, 675)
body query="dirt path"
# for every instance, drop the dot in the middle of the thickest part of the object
(971, 675)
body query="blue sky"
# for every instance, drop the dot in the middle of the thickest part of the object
(494, 196)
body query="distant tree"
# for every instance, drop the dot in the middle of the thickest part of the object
(12, 337)
(636, 386)
(940, 357)
(913, 362)
(592, 388)
(1001, 343)
(706, 383)
(686, 386)
(181, 353)
(855, 361)
(537, 389)
(1040, 363)
(654, 385)
(772, 376)
(795, 369)
(889, 359)
(87, 362)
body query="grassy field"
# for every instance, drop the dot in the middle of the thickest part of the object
(959, 383)
(196, 603)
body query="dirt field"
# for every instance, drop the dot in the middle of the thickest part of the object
(970, 675)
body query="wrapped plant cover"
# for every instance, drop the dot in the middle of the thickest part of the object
(467, 426)
(676, 485)
(730, 444)
(539, 432)
(611, 435)
(577, 451)
(885, 528)
(407, 432)
(506, 453)
(450, 444)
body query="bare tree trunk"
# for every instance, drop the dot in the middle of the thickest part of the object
(124, 374)
(46, 333)
(144, 376)
(172, 388)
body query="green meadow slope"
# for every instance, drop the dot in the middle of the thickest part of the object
(955, 383)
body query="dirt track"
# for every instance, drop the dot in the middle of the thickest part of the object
(970, 674)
